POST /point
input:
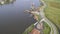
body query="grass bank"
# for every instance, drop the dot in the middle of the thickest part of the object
(46, 29)
(52, 11)
(29, 29)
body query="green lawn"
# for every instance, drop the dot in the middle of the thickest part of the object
(52, 11)
(29, 29)
(46, 29)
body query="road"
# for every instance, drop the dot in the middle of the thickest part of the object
(42, 15)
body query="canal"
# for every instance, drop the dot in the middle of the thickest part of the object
(13, 20)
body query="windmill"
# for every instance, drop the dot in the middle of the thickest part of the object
(32, 9)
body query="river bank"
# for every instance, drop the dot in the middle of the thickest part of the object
(52, 26)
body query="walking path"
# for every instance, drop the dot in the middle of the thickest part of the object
(52, 26)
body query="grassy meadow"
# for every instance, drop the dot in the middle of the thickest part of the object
(46, 29)
(52, 11)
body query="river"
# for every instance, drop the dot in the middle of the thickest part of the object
(13, 20)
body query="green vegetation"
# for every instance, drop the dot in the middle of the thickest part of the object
(46, 29)
(38, 17)
(52, 11)
(6, 2)
(29, 29)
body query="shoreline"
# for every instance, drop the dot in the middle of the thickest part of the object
(52, 26)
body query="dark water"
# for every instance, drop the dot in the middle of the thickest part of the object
(13, 20)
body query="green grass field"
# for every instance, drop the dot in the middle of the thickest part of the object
(46, 29)
(52, 11)
(29, 29)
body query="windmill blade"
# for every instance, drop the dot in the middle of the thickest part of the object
(31, 15)
(26, 11)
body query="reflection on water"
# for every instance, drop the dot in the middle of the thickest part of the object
(13, 20)
(2, 2)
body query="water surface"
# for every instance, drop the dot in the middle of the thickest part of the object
(13, 20)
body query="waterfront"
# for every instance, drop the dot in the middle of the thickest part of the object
(13, 20)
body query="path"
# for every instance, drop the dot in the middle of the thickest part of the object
(52, 26)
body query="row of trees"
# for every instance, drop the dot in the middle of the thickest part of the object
(2, 2)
